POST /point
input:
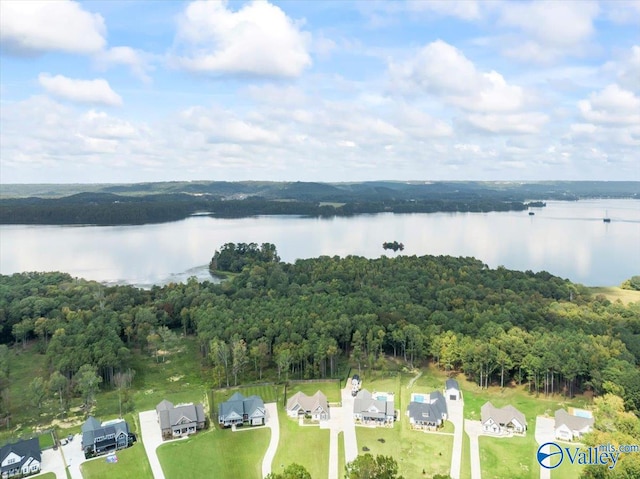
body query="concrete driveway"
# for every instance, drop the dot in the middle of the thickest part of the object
(335, 424)
(349, 425)
(545, 432)
(151, 438)
(52, 461)
(455, 409)
(273, 424)
(474, 429)
(74, 456)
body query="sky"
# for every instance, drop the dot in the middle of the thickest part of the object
(335, 91)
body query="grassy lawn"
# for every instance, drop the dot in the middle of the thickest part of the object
(414, 451)
(216, 453)
(266, 392)
(46, 475)
(45, 440)
(132, 463)
(465, 462)
(613, 293)
(331, 389)
(305, 445)
(566, 470)
(509, 457)
(341, 462)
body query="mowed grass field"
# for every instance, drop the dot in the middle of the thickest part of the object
(331, 389)
(220, 454)
(513, 457)
(614, 293)
(132, 464)
(305, 445)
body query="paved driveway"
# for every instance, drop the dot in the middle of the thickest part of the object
(455, 409)
(349, 425)
(151, 438)
(74, 456)
(474, 429)
(545, 432)
(52, 462)
(335, 424)
(274, 425)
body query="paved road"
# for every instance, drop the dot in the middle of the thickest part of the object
(545, 432)
(349, 425)
(273, 424)
(455, 410)
(474, 429)
(152, 438)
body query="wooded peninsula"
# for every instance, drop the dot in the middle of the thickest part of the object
(171, 201)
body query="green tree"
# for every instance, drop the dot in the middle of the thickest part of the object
(369, 467)
(292, 471)
(87, 384)
(239, 357)
(36, 391)
(59, 384)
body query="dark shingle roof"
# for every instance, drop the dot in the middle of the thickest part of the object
(26, 449)
(451, 384)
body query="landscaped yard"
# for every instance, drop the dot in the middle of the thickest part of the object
(222, 454)
(132, 463)
(513, 457)
(331, 389)
(268, 393)
(305, 445)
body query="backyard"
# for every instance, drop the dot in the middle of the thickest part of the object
(132, 463)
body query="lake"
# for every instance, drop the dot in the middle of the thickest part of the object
(568, 239)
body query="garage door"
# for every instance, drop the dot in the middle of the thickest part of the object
(452, 397)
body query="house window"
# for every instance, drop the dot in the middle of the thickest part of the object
(11, 460)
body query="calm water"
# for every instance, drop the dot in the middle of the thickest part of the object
(568, 239)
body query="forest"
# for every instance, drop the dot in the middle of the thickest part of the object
(171, 201)
(297, 320)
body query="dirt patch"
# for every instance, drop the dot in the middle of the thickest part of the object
(173, 379)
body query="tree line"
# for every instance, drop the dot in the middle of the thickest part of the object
(299, 320)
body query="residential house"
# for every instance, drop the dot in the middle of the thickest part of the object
(569, 427)
(506, 420)
(452, 390)
(315, 406)
(427, 411)
(374, 408)
(21, 458)
(101, 438)
(239, 410)
(181, 420)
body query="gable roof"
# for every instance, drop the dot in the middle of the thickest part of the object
(170, 415)
(240, 405)
(575, 423)
(92, 429)
(503, 415)
(308, 403)
(26, 449)
(431, 409)
(451, 384)
(366, 403)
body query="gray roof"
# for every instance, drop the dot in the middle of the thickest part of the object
(92, 429)
(26, 449)
(365, 401)
(170, 415)
(432, 409)
(575, 423)
(451, 384)
(503, 415)
(308, 403)
(240, 405)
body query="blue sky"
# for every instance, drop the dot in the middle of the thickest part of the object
(114, 91)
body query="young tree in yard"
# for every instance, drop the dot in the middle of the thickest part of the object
(369, 467)
(37, 391)
(292, 471)
(239, 357)
(87, 383)
(59, 383)
(122, 381)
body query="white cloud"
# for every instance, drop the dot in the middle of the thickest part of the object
(37, 26)
(95, 91)
(442, 69)
(258, 39)
(466, 10)
(136, 60)
(612, 105)
(544, 31)
(519, 123)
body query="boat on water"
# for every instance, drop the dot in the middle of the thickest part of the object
(531, 213)
(606, 218)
